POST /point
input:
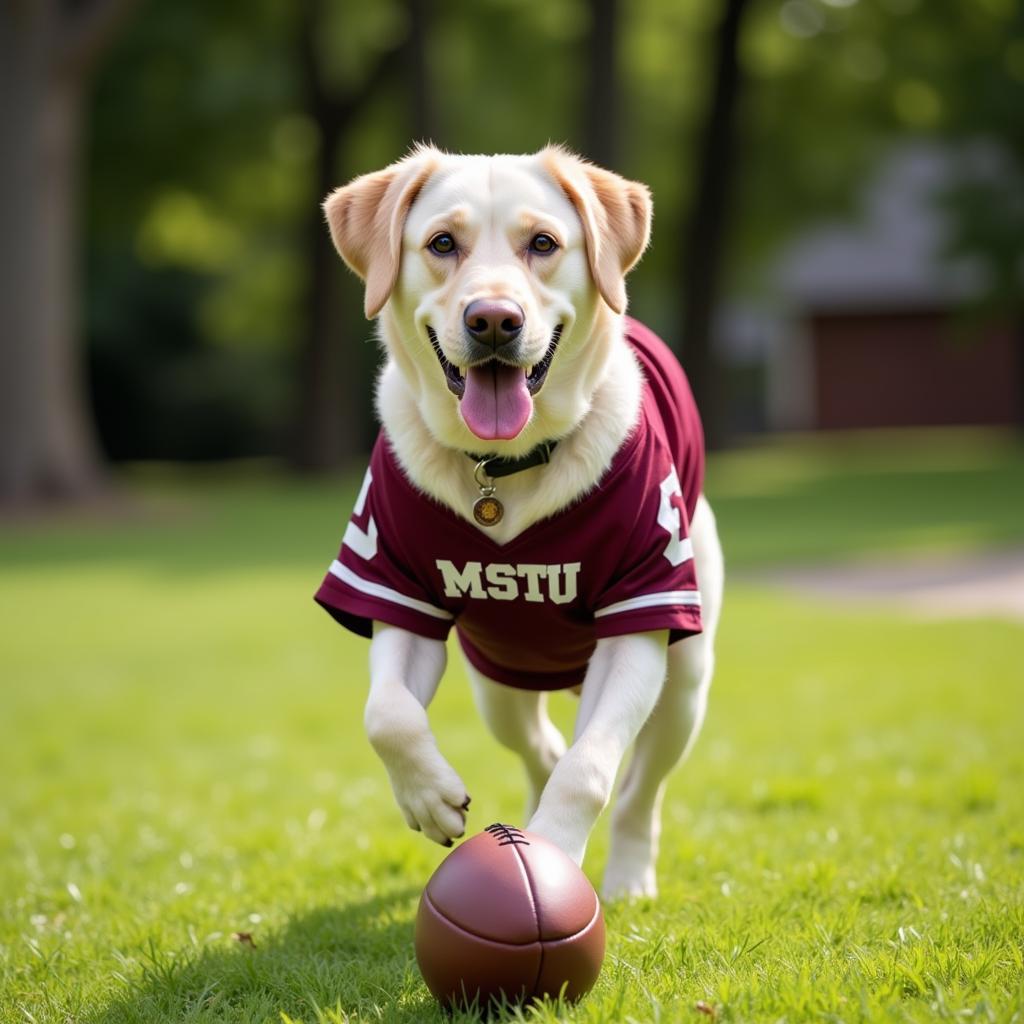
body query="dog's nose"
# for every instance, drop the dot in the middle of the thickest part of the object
(494, 321)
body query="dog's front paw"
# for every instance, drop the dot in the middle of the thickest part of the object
(431, 796)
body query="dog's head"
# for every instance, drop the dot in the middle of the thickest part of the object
(498, 280)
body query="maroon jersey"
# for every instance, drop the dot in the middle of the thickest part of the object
(528, 613)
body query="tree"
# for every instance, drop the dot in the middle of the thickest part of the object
(48, 54)
(705, 227)
(328, 419)
(601, 96)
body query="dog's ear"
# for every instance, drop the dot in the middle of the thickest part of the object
(366, 218)
(616, 216)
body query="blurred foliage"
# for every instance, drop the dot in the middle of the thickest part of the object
(835, 81)
(196, 181)
(202, 162)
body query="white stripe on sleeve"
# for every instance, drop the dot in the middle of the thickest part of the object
(346, 575)
(668, 597)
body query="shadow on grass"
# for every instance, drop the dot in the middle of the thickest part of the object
(324, 966)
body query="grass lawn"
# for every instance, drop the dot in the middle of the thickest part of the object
(182, 762)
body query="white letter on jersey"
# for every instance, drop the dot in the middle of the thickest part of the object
(534, 574)
(679, 549)
(505, 586)
(364, 544)
(457, 583)
(555, 592)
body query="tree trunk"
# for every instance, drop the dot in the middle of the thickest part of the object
(706, 226)
(422, 113)
(1017, 325)
(330, 406)
(601, 100)
(47, 52)
(47, 447)
(327, 416)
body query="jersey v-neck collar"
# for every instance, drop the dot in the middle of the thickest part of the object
(619, 462)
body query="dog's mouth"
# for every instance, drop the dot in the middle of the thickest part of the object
(495, 397)
(455, 376)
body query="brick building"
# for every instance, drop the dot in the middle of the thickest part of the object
(869, 329)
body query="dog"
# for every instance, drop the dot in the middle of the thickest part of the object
(537, 484)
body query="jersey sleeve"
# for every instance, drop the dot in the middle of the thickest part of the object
(372, 578)
(655, 586)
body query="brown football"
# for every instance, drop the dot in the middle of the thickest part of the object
(508, 914)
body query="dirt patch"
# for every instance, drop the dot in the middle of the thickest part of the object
(987, 585)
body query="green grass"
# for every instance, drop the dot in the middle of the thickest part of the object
(181, 759)
(851, 496)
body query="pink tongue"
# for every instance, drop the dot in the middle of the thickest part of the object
(496, 404)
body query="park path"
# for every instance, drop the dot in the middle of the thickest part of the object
(968, 586)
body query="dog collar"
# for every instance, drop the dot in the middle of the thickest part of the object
(499, 465)
(488, 509)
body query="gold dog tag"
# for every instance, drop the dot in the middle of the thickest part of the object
(487, 510)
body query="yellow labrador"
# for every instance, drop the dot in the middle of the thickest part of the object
(536, 485)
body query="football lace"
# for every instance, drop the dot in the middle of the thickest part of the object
(507, 835)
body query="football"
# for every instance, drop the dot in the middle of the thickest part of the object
(508, 914)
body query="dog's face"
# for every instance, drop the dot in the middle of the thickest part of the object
(498, 280)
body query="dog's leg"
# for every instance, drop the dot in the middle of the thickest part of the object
(623, 680)
(663, 742)
(670, 732)
(518, 720)
(405, 671)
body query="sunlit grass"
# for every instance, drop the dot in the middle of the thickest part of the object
(182, 760)
(866, 495)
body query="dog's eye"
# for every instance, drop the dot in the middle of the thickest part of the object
(442, 244)
(543, 244)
